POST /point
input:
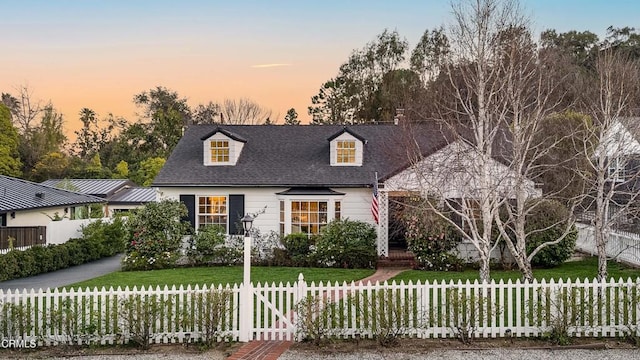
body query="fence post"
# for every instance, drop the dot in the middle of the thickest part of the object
(300, 293)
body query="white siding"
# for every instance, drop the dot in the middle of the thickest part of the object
(36, 217)
(356, 202)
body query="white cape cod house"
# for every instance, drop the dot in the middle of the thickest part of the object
(302, 176)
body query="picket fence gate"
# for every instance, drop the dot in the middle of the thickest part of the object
(347, 310)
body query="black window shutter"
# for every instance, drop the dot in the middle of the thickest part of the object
(190, 202)
(236, 213)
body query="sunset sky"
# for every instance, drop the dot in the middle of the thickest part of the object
(98, 54)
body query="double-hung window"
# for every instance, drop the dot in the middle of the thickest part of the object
(213, 210)
(219, 151)
(346, 151)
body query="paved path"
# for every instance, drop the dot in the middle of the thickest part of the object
(66, 276)
(271, 350)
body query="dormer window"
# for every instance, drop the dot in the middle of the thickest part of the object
(222, 148)
(346, 151)
(219, 151)
(346, 148)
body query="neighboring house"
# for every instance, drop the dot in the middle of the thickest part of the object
(120, 194)
(24, 203)
(301, 177)
(621, 147)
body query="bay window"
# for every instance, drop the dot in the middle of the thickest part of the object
(307, 216)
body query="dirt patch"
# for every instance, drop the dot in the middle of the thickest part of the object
(419, 346)
(222, 350)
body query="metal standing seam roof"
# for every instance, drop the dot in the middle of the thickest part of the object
(97, 187)
(136, 195)
(18, 194)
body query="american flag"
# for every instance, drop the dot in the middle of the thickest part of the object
(374, 200)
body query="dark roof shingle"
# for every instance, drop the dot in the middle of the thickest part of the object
(278, 155)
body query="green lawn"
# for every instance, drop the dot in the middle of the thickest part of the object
(582, 269)
(220, 275)
(233, 274)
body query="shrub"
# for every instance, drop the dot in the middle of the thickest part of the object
(154, 235)
(431, 238)
(347, 244)
(208, 246)
(108, 236)
(547, 222)
(265, 247)
(9, 265)
(98, 240)
(76, 252)
(314, 318)
(298, 248)
(44, 258)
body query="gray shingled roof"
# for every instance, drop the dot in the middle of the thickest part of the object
(278, 155)
(136, 195)
(97, 187)
(18, 194)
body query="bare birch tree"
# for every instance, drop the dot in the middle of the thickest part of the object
(503, 92)
(243, 112)
(465, 182)
(611, 96)
(532, 93)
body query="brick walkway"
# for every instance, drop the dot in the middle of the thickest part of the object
(271, 350)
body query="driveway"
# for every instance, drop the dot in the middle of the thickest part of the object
(66, 276)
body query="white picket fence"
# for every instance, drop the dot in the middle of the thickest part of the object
(621, 246)
(347, 310)
(20, 248)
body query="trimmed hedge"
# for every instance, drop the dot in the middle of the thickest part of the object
(100, 239)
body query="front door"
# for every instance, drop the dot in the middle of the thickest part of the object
(397, 212)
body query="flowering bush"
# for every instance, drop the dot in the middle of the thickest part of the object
(155, 235)
(431, 238)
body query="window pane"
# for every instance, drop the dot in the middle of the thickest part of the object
(309, 217)
(219, 151)
(212, 210)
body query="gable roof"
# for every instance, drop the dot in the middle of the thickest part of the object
(226, 133)
(103, 188)
(18, 194)
(348, 131)
(297, 155)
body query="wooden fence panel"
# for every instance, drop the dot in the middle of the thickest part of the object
(22, 236)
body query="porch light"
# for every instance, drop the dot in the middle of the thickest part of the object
(247, 223)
